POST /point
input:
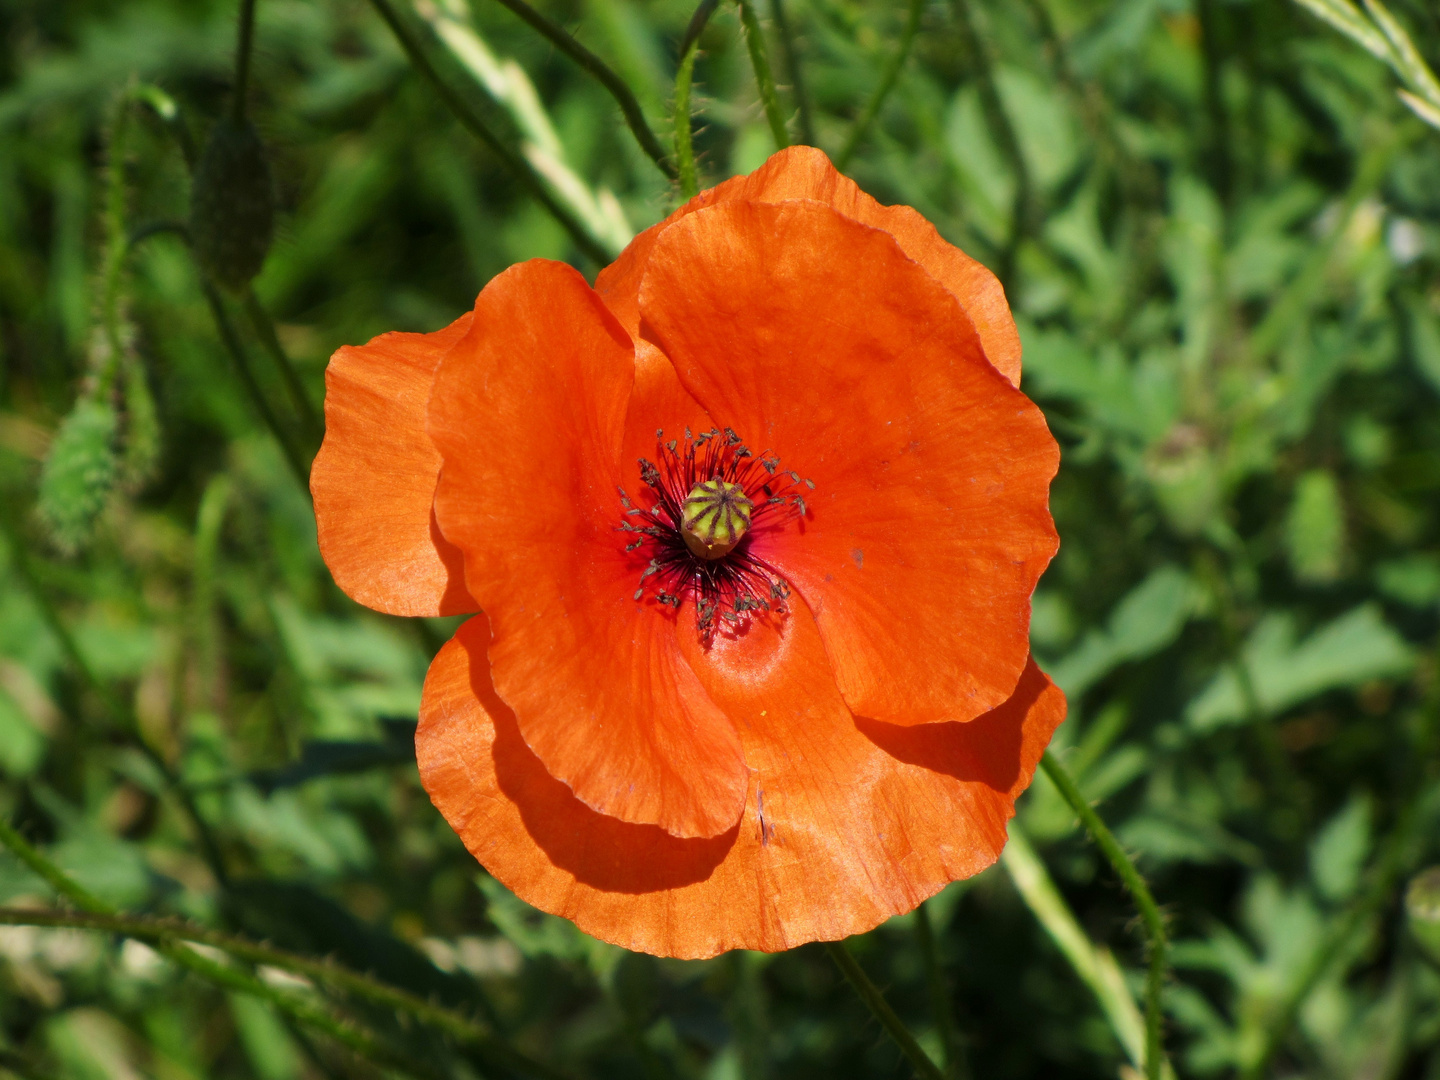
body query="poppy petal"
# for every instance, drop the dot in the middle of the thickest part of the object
(527, 413)
(803, 172)
(845, 824)
(817, 338)
(373, 481)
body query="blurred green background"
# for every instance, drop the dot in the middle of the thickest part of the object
(1219, 228)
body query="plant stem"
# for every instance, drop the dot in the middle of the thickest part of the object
(56, 878)
(684, 148)
(470, 120)
(98, 916)
(1094, 964)
(605, 75)
(247, 377)
(883, 87)
(163, 106)
(1290, 306)
(793, 68)
(116, 248)
(1388, 868)
(171, 938)
(998, 120)
(243, 48)
(208, 521)
(760, 61)
(939, 993)
(880, 1008)
(1139, 892)
(121, 718)
(1220, 138)
(265, 331)
(347, 1033)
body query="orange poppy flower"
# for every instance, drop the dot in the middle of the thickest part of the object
(754, 524)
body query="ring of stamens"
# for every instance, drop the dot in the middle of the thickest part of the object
(708, 498)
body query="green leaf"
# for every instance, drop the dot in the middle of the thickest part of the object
(1339, 850)
(1148, 619)
(1043, 125)
(1355, 648)
(1425, 342)
(271, 1051)
(1422, 908)
(1413, 580)
(1315, 529)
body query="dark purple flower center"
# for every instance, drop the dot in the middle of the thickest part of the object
(708, 499)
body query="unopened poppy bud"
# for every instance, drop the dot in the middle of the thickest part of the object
(715, 517)
(232, 205)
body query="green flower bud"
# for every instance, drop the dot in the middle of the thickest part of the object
(232, 204)
(79, 473)
(715, 517)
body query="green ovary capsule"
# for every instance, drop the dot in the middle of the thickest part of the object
(715, 517)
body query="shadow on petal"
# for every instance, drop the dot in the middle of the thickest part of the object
(986, 750)
(601, 852)
(455, 596)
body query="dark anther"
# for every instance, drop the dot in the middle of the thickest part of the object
(726, 584)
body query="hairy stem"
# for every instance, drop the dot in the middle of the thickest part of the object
(173, 939)
(684, 148)
(794, 70)
(116, 248)
(470, 120)
(760, 61)
(457, 1025)
(605, 75)
(208, 522)
(998, 120)
(1390, 865)
(236, 350)
(100, 915)
(883, 87)
(265, 331)
(880, 1008)
(53, 876)
(244, 46)
(121, 719)
(940, 1001)
(1139, 891)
